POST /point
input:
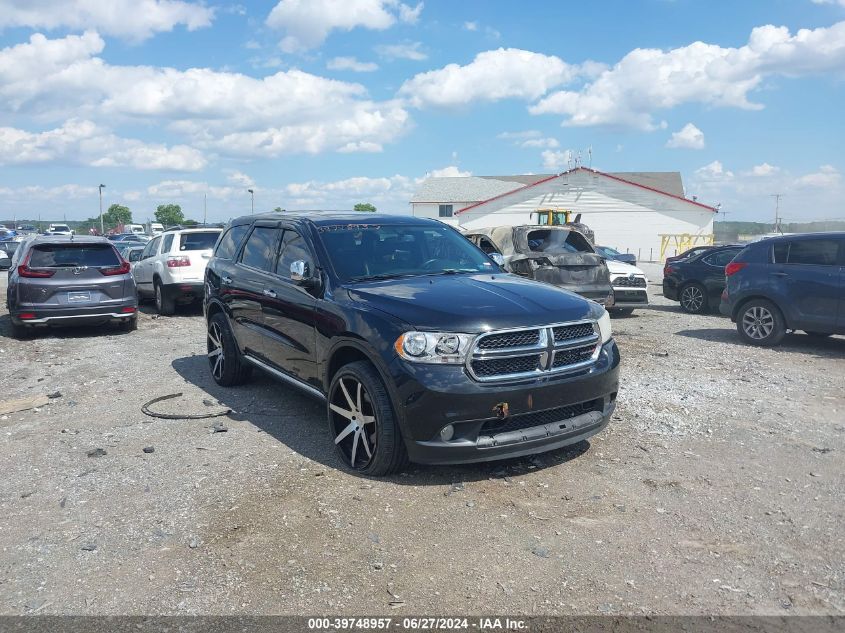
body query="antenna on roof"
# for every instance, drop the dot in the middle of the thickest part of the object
(590, 153)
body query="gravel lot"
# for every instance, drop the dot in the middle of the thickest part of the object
(718, 488)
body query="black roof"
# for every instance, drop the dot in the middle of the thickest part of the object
(792, 236)
(320, 218)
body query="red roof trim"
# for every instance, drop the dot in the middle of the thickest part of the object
(592, 171)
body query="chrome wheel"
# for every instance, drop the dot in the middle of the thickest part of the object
(214, 345)
(692, 298)
(353, 422)
(758, 323)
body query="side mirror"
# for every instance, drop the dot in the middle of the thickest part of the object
(299, 272)
(496, 257)
(135, 257)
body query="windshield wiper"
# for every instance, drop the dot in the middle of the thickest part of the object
(455, 271)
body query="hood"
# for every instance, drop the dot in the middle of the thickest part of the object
(472, 303)
(621, 268)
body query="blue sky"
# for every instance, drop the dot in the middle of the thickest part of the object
(325, 103)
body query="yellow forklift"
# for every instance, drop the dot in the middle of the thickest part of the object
(563, 217)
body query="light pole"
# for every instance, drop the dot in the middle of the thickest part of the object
(102, 228)
(252, 193)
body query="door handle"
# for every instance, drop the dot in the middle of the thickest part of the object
(269, 293)
(779, 274)
(226, 280)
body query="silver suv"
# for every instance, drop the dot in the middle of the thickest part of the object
(61, 280)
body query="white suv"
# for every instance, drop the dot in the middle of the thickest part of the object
(172, 267)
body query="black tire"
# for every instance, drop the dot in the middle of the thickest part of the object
(760, 322)
(818, 334)
(347, 410)
(623, 312)
(693, 298)
(129, 325)
(165, 304)
(227, 367)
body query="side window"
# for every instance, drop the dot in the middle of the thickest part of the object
(781, 252)
(813, 252)
(445, 210)
(231, 240)
(168, 242)
(151, 248)
(486, 245)
(720, 259)
(293, 249)
(260, 248)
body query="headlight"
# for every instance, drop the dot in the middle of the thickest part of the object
(433, 347)
(604, 327)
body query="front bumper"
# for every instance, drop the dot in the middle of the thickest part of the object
(543, 413)
(626, 297)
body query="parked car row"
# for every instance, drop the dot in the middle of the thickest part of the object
(769, 287)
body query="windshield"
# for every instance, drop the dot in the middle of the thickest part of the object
(557, 241)
(198, 241)
(608, 252)
(61, 227)
(73, 255)
(360, 252)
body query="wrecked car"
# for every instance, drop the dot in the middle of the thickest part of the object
(558, 255)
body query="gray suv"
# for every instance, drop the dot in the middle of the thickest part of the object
(61, 280)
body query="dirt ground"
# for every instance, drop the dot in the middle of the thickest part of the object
(717, 489)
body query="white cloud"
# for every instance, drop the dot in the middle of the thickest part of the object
(362, 147)
(556, 161)
(826, 177)
(405, 50)
(713, 172)
(841, 3)
(549, 143)
(350, 63)
(491, 76)
(470, 26)
(648, 80)
(84, 143)
(764, 170)
(307, 23)
(240, 179)
(284, 113)
(747, 195)
(688, 137)
(131, 19)
(451, 171)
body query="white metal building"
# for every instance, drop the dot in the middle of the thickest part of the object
(628, 211)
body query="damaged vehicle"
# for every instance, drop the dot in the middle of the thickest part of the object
(558, 255)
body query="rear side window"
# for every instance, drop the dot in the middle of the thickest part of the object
(73, 255)
(722, 258)
(260, 248)
(808, 252)
(168, 242)
(231, 240)
(198, 241)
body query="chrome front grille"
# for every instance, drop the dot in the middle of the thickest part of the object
(535, 351)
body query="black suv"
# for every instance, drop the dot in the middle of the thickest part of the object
(697, 281)
(421, 346)
(794, 282)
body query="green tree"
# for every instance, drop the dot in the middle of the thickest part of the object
(117, 214)
(169, 214)
(365, 207)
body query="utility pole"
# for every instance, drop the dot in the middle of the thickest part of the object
(777, 197)
(205, 208)
(102, 228)
(252, 193)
